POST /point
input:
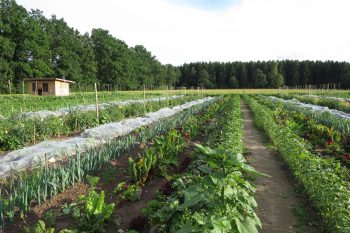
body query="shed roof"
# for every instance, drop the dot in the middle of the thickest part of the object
(50, 79)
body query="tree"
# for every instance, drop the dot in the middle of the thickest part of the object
(233, 82)
(345, 76)
(7, 49)
(275, 79)
(203, 79)
(259, 79)
(305, 74)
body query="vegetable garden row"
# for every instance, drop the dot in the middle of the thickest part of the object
(311, 150)
(341, 104)
(17, 132)
(14, 104)
(183, 173)
(193, 180)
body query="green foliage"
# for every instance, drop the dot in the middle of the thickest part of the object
(167, 147)
(161, 156)
(109, 174)
(68, 231)
(213, 195)
(94, 214)
(140, 169)
(120, 187)
(93, 181)
(218, 200)
(16, 132)
(132, 193)
(40, 227)
(1, 213)
(331, 103)
(69, 208)
(41, 184)
(322, 179)
(49, 218)
(132, 231)
(326, 134)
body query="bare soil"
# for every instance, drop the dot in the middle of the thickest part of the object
(276, 194)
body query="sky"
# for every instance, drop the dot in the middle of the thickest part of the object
(183, 31)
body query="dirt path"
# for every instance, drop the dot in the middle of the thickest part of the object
(275, 195)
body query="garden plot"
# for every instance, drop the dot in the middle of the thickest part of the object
(312, 107)
(83, 108)
(53, 149)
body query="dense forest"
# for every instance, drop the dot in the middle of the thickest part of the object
(32, 45)
(269, 74)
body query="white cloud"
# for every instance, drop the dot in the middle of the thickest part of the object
(249, 30)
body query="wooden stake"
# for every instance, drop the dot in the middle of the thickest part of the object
(144, 98)
(96, 102)
(167, 94)
(34, 134)
(10, 87)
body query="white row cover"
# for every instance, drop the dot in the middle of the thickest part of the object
(316, 108)
(331, 97)
(53, 149)
(81, 108)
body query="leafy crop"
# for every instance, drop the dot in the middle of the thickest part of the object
(94, 214)
(324, 180)
(140, 169)
(213, 195)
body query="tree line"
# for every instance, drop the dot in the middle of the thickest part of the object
(265, 74)
(32, 45)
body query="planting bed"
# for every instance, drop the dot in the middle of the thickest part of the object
(341, 104)
(166, 183)
(90, 138)
(50, 181)
(179, 169)
(324, 180)
(12, 105)
(17, 132)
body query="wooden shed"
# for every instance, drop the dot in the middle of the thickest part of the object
(49, 86)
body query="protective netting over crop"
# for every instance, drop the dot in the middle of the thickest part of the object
(81, 108)
(312, 107)
(330, 97)
(53, 149)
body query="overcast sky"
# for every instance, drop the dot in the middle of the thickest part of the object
(179, 31)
